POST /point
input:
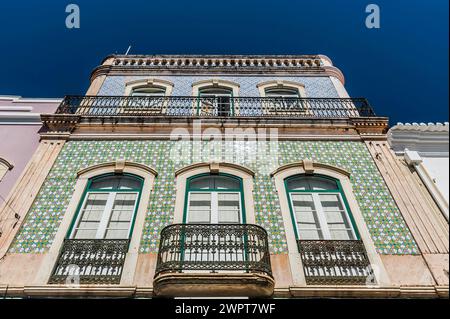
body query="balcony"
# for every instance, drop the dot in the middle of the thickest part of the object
(207, 107)
(213, 260)
(334, 262)
(90, 261)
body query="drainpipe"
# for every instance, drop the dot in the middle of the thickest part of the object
(414, 160)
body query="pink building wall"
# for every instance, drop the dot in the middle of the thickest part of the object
(19, 138)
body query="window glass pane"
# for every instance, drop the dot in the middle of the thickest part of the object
(341, 234)
(311, 183)
(121, 216)
(215, 91)
(149, 92)
(199, 208)
(85, 234)
(222, 182)
(206, 182)
(282, 93)
(116, 182)
(336, 216)
(214, 182)
(229, 208)
(306, 214)
(116, 234)
(91, 215)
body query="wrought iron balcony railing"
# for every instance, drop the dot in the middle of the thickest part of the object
(90, 261)
(213, 248)
(335, 262)
(247, 107)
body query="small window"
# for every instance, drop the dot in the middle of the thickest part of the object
(216, 101)
(108, 208)
(149, 91)
(318, 209)
(284, 100)
(282, 93)
(214, 199)
(4, 168)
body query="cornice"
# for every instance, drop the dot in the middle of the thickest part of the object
(427, 139)
(305, 65)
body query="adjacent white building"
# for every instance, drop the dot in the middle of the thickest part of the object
(425, 148)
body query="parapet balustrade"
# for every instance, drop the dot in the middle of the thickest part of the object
(335, 262)
(224, 107)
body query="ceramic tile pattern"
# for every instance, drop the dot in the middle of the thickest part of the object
(320, 87)
(388, 229)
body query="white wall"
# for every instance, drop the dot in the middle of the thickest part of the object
(438, 168)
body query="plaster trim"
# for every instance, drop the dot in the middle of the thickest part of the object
(145, 172)
(281, 84)
(233, 169)
(343, 176)
(150, 82)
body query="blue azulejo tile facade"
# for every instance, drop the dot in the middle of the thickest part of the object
(315, 87)
(383, 219)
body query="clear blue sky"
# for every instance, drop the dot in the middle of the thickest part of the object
(401, 68)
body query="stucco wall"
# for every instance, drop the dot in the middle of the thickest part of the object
(18, 141)
(438, 167)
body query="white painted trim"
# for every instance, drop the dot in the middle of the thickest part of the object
(149, 83)
(19, 99)
(281, 84)
(129, 268)
(247, 181)
(215, 83)
(414, 160)
(294, 255)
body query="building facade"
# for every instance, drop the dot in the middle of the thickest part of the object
(425, 148)
(20, 123)
(253, 176)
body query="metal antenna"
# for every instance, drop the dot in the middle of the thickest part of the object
(129, 48)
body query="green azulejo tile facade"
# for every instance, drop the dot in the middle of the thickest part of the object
(385, 223)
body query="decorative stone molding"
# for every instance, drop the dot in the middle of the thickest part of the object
(215, 83)
(60, 122)
(427, 139)
(371, 127)
(215, 167)
(309, 167)
(117, 166)
(304, 61)
(300, 87)
(314, 65)
(151, 82)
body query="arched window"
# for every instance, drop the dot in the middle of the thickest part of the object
(108, 207)
(215, 97)
(283, 96)
(214, 199)
(5, 166)
(217, 101)
(319, 208)
(282, 92)
(149, 91)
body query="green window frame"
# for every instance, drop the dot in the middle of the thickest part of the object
(109, 209)
(201, 93)
(321, 220)
(190, 190)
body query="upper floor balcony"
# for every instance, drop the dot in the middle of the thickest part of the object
(215, 107)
